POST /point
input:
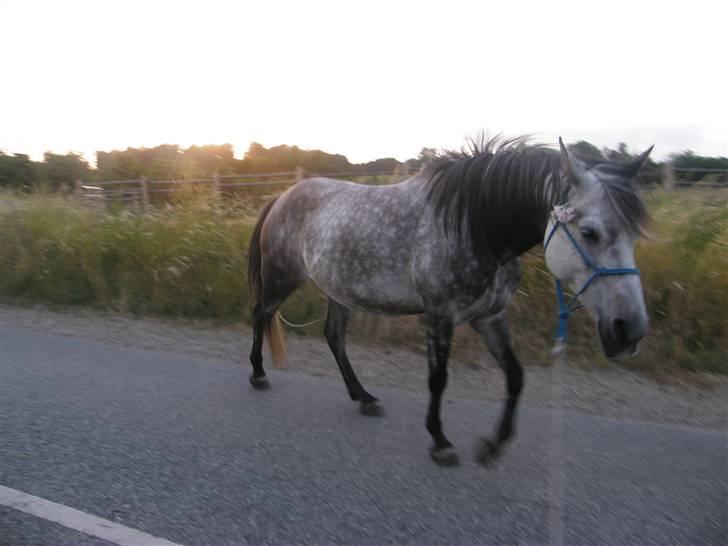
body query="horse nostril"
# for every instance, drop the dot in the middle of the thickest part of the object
(619, 329)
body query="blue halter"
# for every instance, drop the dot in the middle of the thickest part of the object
(566, 308)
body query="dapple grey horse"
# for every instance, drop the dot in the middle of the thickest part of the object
(446, 244)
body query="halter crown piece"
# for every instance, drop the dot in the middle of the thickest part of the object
(562, 215)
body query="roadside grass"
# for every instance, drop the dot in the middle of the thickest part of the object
(188, 259)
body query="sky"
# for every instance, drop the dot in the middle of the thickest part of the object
(364, 79)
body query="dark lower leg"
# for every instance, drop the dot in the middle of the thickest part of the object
(278, 284)
(514, 385)
(260, 321)
(497, 337)
(335, 331)
(439, 336)
(437, 383)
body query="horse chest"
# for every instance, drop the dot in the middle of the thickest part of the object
(461, 288)
(492, 300)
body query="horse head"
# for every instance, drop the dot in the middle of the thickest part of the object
(589, 246)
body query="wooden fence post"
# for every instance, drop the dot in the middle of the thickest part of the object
(668, 175)
(144, 186)
(78, 188)
(216, 184)
(299, 174)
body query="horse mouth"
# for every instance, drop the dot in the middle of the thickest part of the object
(616, 349)
(628, 352)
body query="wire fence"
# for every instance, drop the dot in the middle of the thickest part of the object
(685, 177)
(141, 191)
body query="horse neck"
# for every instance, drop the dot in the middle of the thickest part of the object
(499, 203)
(519, 221)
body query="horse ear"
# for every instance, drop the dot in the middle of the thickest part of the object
(564, 156)
(634, 167)
(569, 164)
(637, 163)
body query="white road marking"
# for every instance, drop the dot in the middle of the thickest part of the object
(77, 520)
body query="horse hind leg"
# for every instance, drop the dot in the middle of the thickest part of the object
(494, 332)
(261, 322)
(278, 285)
(335, 332)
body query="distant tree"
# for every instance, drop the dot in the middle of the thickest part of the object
(690, 160)
(286, 158)
(117, 164)
(255, 151)
(212, 158)
(62, 171)
(170, 161)
(18, 171)
(587, 150)
(166, 161)
(383, 165)
(425, 156)
(620, 155)
(412, 165)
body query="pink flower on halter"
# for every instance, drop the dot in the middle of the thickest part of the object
(563, 213)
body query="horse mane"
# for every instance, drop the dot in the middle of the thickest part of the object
(498, 191)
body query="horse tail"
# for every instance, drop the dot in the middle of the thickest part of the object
(277, 341)
(273, 329)
(255, 257)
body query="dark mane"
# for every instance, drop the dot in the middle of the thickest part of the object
(499, 192)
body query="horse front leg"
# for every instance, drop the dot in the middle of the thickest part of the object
(439, 337)
(495, 334)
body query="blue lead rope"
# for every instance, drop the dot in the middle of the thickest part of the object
(565, 308)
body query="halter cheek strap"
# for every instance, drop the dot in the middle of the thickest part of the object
(565, 308)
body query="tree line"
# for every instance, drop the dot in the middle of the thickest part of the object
(58, 172)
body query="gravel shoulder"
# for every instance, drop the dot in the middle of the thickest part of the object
(699, 400)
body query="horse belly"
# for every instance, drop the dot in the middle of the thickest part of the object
(376, 291)
(362, 275)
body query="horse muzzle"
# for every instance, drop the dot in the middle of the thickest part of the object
(620, 337)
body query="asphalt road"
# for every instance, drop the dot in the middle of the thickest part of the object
(185, 450)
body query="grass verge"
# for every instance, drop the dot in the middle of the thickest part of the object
(188, 260)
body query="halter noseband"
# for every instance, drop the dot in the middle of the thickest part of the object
(561, 215)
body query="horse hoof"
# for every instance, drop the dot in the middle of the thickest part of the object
(260, 382)
(371, 408)
(487, 451)
(445, 456)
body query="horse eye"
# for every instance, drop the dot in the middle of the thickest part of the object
(590, 235)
